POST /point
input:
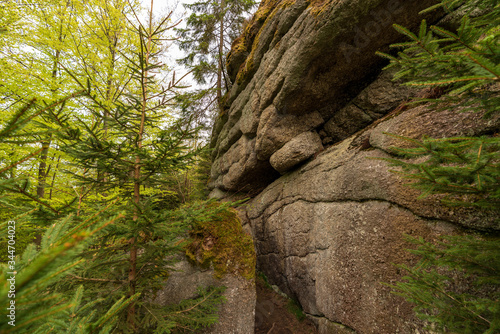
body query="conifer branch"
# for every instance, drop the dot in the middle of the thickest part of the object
(29, 156)
(36, 199)
(42, 315)
(205, 298)
(497, 76)
(99, 279)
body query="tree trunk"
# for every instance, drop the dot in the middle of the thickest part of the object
(42, 169)
(54, 176)
(221, 53)
(132, 277)
(113, 41)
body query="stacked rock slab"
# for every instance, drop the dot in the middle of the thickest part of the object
(297, 150)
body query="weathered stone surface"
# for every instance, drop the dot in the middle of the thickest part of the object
(383, 94)
(240, 170)
(296, 151)
(275, 130)
(328, 327)
(236, 315)
(376, 100)
(420, 121)
(333, 256)
(346, 122)
(305, 61)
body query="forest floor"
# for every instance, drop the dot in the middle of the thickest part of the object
(276, 314)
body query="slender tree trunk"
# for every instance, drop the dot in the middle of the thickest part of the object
(221, 53)
(132, 275)
(113, 41)
(42, 169)
(54, 176)
(137, 173)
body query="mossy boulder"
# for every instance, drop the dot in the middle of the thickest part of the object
(221, 243)
(218, 254)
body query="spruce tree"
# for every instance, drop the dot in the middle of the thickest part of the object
(109, 248)
(207, 39)
(129, 161)
(464, 63)
(27, 298)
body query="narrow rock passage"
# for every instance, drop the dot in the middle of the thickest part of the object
(272, 314)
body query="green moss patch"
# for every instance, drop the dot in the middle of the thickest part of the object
(240, 58)
(249, 38)
(219, 240)
(294, 308)
(318, 7)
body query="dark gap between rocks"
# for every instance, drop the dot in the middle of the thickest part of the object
(272, 315)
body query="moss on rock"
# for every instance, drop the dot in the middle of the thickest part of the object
(221, 242)
(239, 60)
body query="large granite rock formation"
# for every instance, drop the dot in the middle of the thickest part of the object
(303, 133)
(295, 68)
